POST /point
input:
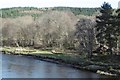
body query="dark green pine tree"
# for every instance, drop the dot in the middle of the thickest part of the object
(106, 28)
(118, 21)
(118, 28)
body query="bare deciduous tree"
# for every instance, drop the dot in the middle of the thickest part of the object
(85, 34)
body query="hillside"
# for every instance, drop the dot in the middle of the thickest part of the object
(35, 12)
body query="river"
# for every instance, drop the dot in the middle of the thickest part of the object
(27, 67)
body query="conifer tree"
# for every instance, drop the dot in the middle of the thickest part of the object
(106, 28)
(118, 28)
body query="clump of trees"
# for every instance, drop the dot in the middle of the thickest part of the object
(58, 28)
(51, 30)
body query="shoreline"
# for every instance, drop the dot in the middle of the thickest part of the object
(92, 67)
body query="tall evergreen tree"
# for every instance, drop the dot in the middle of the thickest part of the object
(118, 28)
(106, 28)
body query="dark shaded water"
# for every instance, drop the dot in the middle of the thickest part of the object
(25, 67)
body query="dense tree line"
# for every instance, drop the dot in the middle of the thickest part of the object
(16, 12)
(79, 11)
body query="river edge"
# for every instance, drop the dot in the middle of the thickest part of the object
(92, 68)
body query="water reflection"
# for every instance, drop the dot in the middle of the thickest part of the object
(22, 67)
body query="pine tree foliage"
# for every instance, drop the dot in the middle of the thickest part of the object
(118, 21)
(118, 30)
(106, 27)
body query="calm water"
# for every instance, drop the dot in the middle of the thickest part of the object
(26, 67)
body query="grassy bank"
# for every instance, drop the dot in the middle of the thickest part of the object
(21, 50)
(99, 64)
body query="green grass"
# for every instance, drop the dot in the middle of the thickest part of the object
(24, 50)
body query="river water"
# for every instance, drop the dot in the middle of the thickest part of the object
(27, 67)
